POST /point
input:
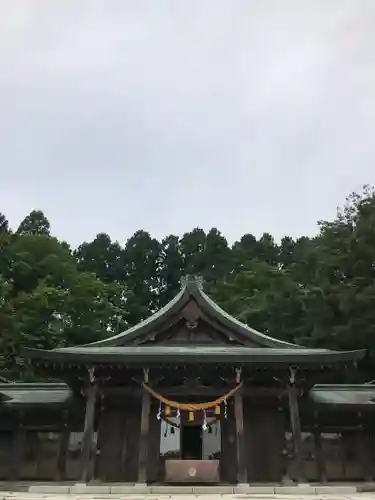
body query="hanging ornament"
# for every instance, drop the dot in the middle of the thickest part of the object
(217, 410)
(191, 416)
(190, 406)
(167, 410)
(158, 415)
(204, 426)
(225, 409)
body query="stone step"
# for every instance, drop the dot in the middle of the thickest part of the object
(141, 490)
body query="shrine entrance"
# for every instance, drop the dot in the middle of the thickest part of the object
(191, 442)
(190, 453)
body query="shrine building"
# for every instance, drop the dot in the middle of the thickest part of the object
(190, 395)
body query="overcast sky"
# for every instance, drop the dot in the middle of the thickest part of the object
(246, 115)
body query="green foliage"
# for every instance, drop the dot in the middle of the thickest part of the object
(46, 301)
(316, 291)
(102, 257)
(35, 223)
(4, 224)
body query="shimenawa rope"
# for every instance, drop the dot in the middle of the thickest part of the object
(191, 406)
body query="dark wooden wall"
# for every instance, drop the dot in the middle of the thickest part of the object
(118, 439)
(44, 445)
(264, 434)
(264, 427)
(111, 441)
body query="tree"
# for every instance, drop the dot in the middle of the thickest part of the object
(4, 224)
(45, 301)
(35, 223)
(265, 297)
(287, 252)
(244, 250)
(205, 254)
(347, 272)
(170, 269)
(103, 257)
(217, 257)
(267, 249)
(192, 247)
(141, 259)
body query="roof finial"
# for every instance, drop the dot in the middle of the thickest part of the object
(199, 281)
(192, 279)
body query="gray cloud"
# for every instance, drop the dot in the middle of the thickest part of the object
(246, 115)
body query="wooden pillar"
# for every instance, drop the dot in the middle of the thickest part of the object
(63, 449)
(319, 457)
(88, 432)
(18, 450)
(143, 443)
(153, 471)
(240, 441)
(295, 424)
(100, 439)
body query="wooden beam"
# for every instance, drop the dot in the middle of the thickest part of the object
(240, 444)
(204, 391)
(332, 428)
(88, 433)
(295, 424)
(143, 444)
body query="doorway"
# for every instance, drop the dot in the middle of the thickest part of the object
(191, 442)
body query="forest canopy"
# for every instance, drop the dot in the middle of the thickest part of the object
(317, 291)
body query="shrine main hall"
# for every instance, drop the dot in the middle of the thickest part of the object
(189, 396)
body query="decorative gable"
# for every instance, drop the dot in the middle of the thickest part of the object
(188, 332)
(191, 317)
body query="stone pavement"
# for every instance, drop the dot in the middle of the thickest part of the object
(295, 496)
(65, 491)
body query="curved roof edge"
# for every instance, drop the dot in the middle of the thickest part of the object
(144, 326)
(193, 355)
(34, 394)
(236, 325)
(343, 395)
(192, 286)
